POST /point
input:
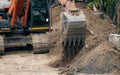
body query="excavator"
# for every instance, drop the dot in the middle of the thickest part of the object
(26, 22)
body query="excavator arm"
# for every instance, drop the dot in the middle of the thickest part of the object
(68, 4)
(16, 11)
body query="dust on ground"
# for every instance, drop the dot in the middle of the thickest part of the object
(23, 62)
(26, 63)
(99, 56)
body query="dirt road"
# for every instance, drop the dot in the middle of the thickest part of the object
(26, 63)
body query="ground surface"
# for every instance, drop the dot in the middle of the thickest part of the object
(98, 56)
(25, 63)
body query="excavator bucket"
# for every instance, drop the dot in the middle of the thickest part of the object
(74, 28)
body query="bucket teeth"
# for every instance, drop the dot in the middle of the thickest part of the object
(78, 41)
(74, 41)
(64, 42)
(70, 40)
(74, 28)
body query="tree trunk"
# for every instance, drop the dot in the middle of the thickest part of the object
(116, 18)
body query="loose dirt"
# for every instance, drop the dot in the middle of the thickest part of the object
(98, 56)
(26, 63)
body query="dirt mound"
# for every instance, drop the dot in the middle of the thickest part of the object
(98, 25)
(102, 59)
(98, 56)
(55, 36)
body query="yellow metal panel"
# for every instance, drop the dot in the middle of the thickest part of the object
(4, 31)
(40, 28)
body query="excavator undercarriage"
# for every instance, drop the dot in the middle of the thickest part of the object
(1, 44)
(38, 42)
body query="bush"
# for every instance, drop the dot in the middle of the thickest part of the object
(95, 3)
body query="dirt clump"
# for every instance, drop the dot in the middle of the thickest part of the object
(98, 56)
(101, 59)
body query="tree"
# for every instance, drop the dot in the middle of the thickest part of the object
(116, 18)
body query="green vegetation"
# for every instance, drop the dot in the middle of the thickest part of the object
(109, 5)
(95, 3)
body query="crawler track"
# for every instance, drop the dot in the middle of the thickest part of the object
(40, 43)
(1, 44)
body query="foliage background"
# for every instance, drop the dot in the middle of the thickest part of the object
(110, 7)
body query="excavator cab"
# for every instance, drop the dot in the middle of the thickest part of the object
(25, 15)
(40, 15)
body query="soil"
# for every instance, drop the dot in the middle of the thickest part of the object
(26, 63)
(98, 56)
(21, 61)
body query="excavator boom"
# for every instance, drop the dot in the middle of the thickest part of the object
(68, 4)
(16, 10)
